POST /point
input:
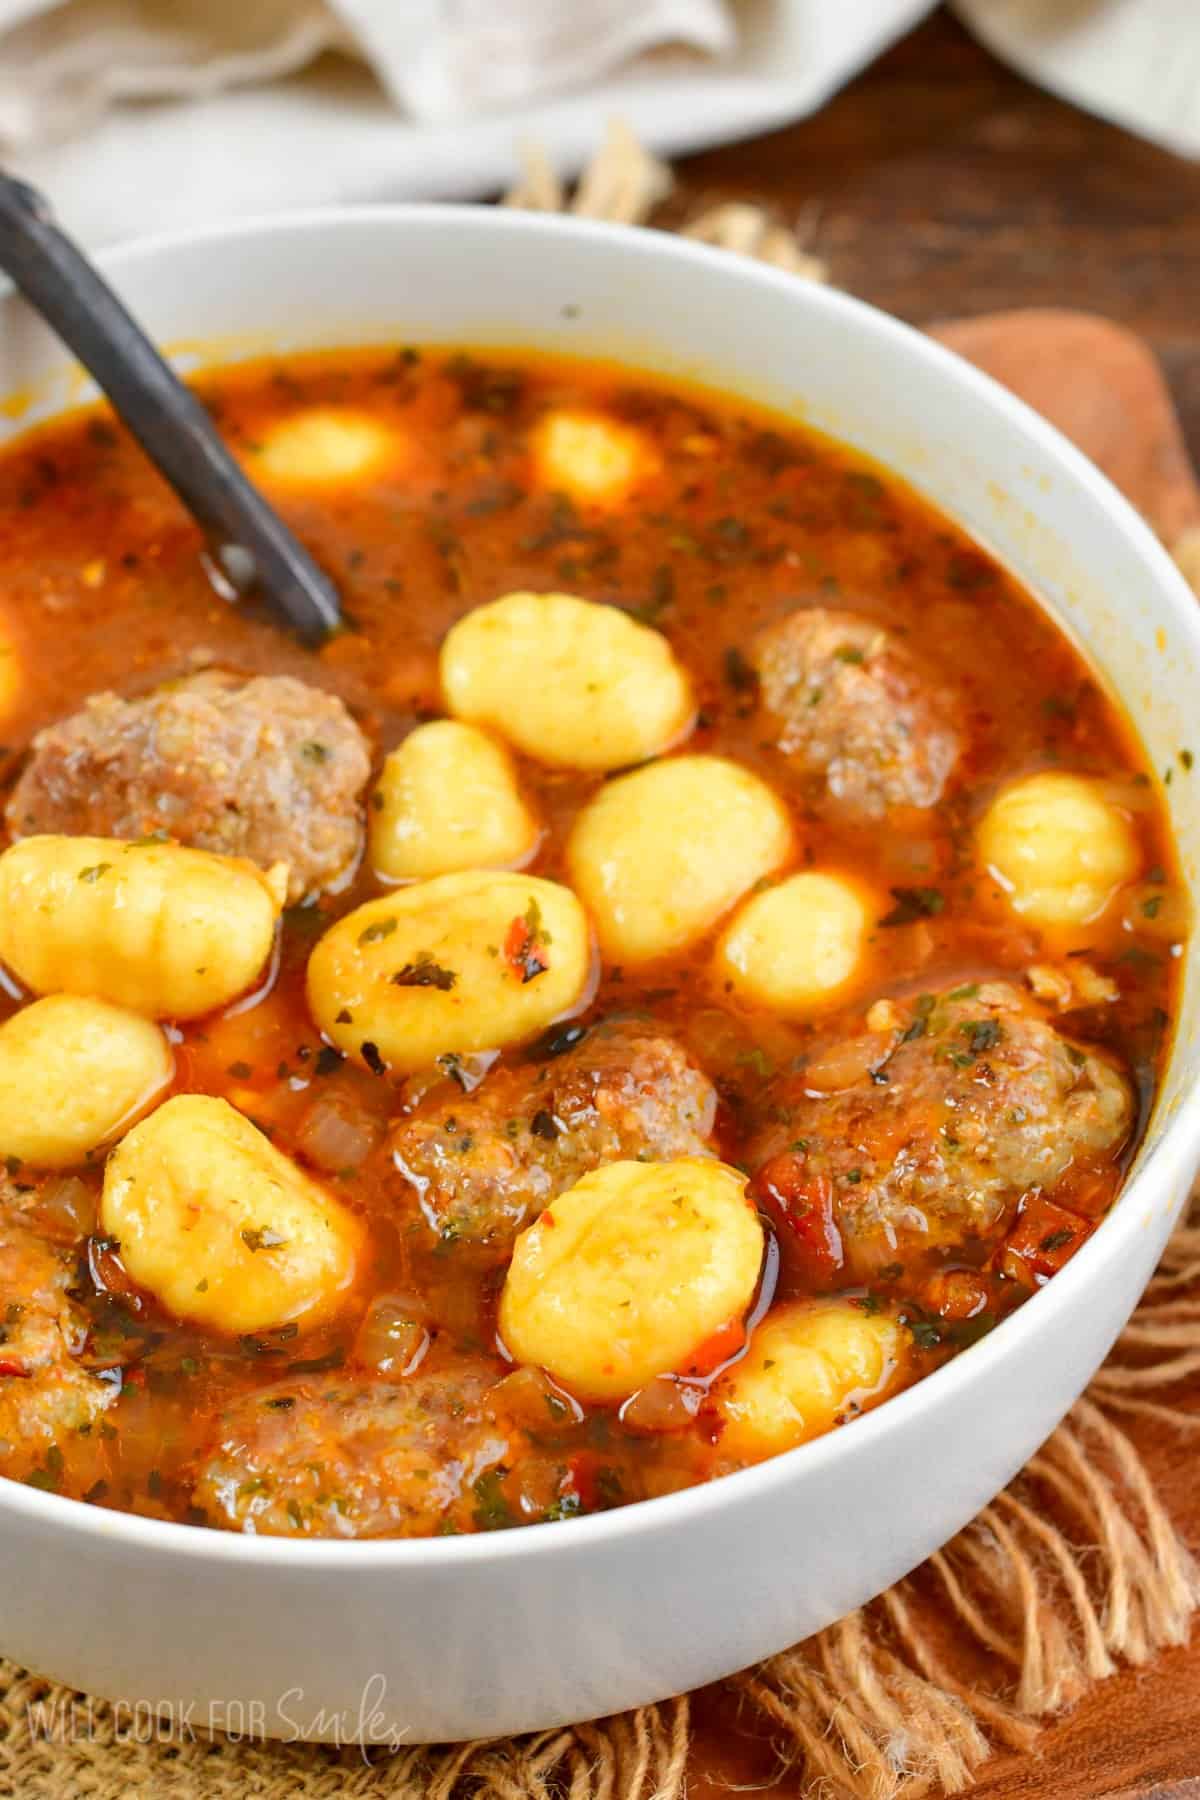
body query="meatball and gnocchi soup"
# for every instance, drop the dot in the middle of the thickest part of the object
(691, 956)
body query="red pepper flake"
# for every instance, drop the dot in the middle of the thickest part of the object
(526, 944)
(548, 1218)
(711, 1423)
(8, 1367)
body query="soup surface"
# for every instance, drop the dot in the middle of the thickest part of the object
(690, 957)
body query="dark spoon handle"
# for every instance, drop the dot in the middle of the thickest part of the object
(169, 423)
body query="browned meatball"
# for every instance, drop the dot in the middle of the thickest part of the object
(355, 1460)
(45, 1393)
(855, 706)
(928, 1131)
(267, 768)
(481, 1167)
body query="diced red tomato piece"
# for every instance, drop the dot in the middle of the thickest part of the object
(1089, 1192)
(956, 1293)
(1043, 1237)
(801, 1205)
(716, 1349)
(581, 1473)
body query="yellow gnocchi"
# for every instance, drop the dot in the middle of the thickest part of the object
(798, 945)
(810, 1365)
(660, 855)
(1059, 848)
(465, 962)
(572, 683)
(74, 1073)
(593, 459)
(324, 446)
(220, 1226)
(448, 799)
(163, 930)
(631, 1272)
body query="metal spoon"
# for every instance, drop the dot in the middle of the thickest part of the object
(249, 543)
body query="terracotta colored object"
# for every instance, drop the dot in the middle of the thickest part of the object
(1103, 387)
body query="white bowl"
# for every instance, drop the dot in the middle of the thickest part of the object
(464, 1637)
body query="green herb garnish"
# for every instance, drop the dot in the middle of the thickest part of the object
(914, 903)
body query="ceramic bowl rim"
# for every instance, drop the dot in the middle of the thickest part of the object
(1167, 1163)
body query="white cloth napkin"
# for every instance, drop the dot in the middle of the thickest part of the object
(428, 98)
(64, 61)
(1136, 62)
(136, 115)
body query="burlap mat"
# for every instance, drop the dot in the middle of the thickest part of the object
(1073, 1571)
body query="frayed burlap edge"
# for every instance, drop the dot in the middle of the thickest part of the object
(94, 1754)
(1073, 1571)
(624, 184)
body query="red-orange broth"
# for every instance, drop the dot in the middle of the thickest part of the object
(737, 519)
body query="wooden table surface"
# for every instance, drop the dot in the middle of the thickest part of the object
(941, 185)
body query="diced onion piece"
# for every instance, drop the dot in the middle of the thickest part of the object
(1073, 984)
(660, 855)
(74, 1073)
(796, 946)
(593, 459)
(631, 1272)
(325, 446)
(393, 1337)
(337, 1133)
(841, 1065)
(810, 1366)
(220, 1226)
(68, 1206)
(664, 1404)
(572, 683)
(448, 799)
(530, 1399)
(163, 930)
(1157, 910)
(466, 962)
(1058, 847)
